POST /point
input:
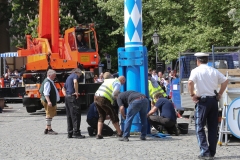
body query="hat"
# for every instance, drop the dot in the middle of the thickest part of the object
(201, 54)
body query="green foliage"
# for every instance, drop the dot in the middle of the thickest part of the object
(234, 15)
(24, 21)
(27, 24)
(22, 13)
(182, 24)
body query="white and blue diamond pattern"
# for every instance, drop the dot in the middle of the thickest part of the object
(133, 23)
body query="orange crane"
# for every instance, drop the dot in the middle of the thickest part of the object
(49, 50)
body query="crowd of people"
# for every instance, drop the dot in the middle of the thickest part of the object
(163, 80)
(108, 102)
(12, 78)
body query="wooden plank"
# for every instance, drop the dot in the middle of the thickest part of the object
(231, 72)
(237, 85)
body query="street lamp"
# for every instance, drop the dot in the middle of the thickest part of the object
(155, 39)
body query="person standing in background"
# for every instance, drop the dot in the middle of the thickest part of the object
(49, 99)
(154, 75)
(73, 106)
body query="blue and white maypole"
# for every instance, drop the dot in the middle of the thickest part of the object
(133, 58)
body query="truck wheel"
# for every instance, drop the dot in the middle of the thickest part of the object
(31, 109)
(83, 106)
(39, 106)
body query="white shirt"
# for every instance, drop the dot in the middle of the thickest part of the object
(13, 83)
(46, 90)
(116, 86)
(154, 76)
(206, 79)
(100, 80)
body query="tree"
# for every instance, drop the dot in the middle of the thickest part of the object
(181, 24)
(24, 21)
(234, 15)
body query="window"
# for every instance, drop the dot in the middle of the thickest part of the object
(71, 41)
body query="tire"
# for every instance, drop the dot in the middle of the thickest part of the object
(40, 106)
(84, 107)
(31, 109)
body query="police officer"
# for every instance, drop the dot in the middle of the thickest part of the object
(206, 80)
(73, 108)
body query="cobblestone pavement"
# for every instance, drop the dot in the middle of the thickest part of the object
(22, 138)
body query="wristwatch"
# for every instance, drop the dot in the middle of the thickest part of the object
(192, 95)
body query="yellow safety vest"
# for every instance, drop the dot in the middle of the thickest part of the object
(106, 89)
(153, 91)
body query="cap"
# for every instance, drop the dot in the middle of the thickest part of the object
(201, 54)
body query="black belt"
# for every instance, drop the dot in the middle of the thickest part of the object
(68, 95)
(211, 96)
(207, 97)
(141, 97)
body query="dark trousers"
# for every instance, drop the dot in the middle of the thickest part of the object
(73, 111)
(207, 112)
(159, 122)
(106, 131)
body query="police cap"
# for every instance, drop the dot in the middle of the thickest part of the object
(201, 54)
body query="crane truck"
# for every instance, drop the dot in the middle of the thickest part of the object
(50, 51)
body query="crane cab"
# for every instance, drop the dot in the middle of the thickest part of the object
(81, 45)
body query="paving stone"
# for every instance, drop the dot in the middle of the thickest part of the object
(22, 138)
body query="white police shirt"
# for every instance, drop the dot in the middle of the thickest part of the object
(206, 79)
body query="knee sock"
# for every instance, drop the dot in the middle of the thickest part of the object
(48, 121)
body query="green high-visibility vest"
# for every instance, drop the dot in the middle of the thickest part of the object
(153, 91)
(106, 89)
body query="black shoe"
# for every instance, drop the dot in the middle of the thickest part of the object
(78, 135)
(46, 131)
(99, 137)
(91, 131)
(174, 130)
(52, 132)
(205, 157)
(69, 135)
(125, 139)
(143, 138)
